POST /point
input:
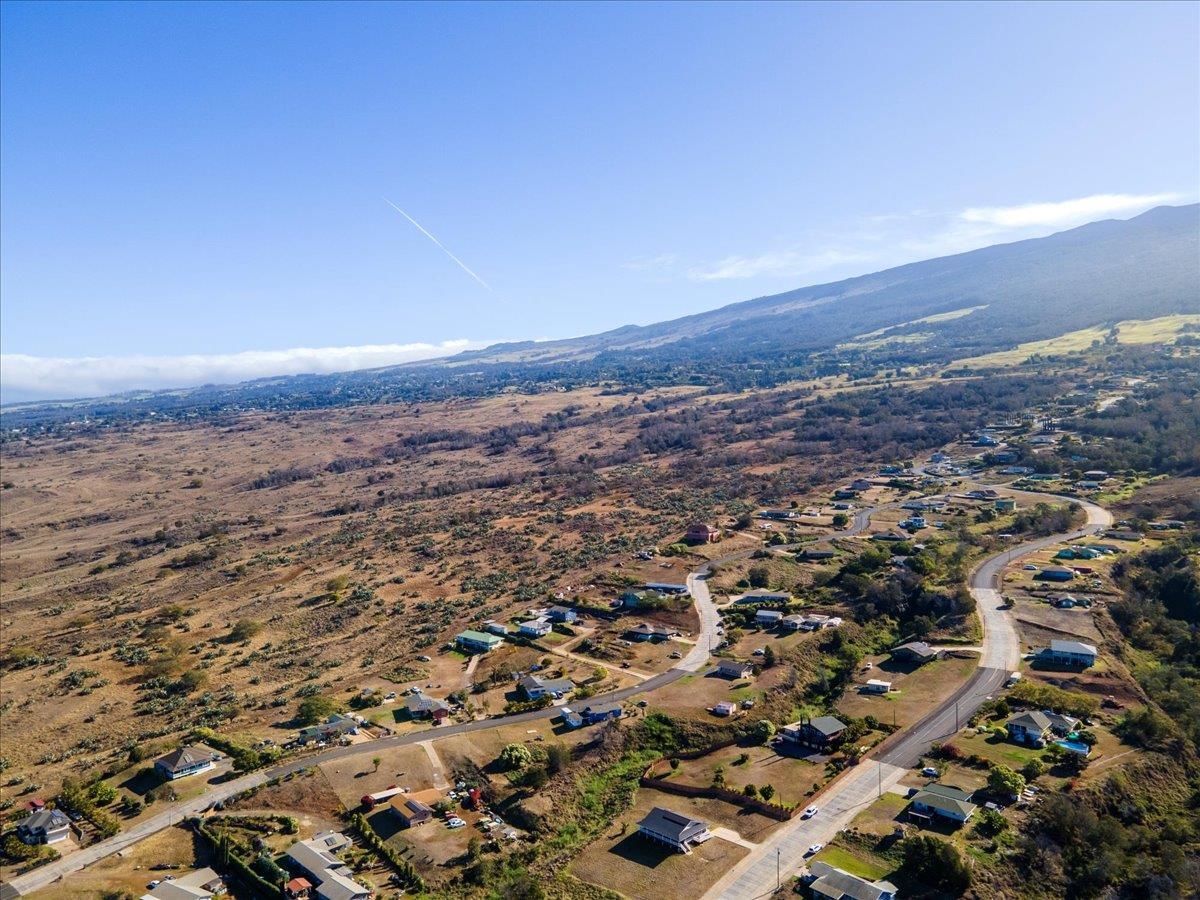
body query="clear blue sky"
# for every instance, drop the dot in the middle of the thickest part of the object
(209, 178)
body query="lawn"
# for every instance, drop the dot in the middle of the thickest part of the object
(996, 750)
(131, 870)
(792, 778)
(882, 816)
(843, 859)
(916, 692)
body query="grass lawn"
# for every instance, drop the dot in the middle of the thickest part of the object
(993, 749)
(853, 863)
(882, 816)
(916, 692)
(791, 778)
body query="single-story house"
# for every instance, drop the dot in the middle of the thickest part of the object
(917, 651)
(645, 632)
(665, 588)
(535, 627)
(768, 617)
(1005, 504)
(332, 728)
(420, 706)
(817, 554)
(829, 883)
(1061, 724)
(202, 884)
(1096, 474)
(779, 515)
(46, 826)
(1016, 470)
(764, 596)
(316, 859)
(943, 801)
(189, 760)
(819, 733)
(860, 484)
(845, 493)
(562, 614)
(793, 622)
(888, 536)
(1028, 728)
(416, 808)
(1055, 573)
(733, 668)
(811, 622)
(1120, 535)
(1069, 653)
(701, 533)
(673, 829)
(534, 688)
(600, 712)
(571, 718)
(875, 686)
(477, 641)
(495, 628)
(724, 708)
(981, 494)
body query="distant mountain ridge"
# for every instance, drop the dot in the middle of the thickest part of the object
(1006, 294)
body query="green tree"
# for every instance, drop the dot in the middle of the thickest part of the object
(1032, 769)
(768, 656)
(558, 757)
(1004, 781)
(315, 709)
(840, 520)
(936, 864)
(764, 730)
(759, 576)
(515, 757)
(243, 630)
(767, 791)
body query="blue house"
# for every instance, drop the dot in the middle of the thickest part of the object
(600, 712)
(561, 614)
(665, 588)
(1070, 653)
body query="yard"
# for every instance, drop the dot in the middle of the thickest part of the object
(792, 778)
(623, 861)
(132, 869)
(916, 691)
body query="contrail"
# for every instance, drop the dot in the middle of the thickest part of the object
(462, 265)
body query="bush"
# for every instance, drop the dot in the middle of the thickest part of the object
(315, 709)
(515, 757)
(936, 864)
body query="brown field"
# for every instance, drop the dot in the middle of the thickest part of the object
(916, 691)
(792, 778)
(633, 867)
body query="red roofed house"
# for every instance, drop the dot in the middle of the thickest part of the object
(701, 533)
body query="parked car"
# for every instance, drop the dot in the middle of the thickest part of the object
(814, 849)
(810, 812)
(929, 772)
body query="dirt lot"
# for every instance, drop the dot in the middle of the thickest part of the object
(792, 778)
(623, 861)
(916, 691)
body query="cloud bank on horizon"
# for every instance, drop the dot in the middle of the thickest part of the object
(30, 378)
(879, 242)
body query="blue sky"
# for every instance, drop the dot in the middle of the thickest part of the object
(191, 192)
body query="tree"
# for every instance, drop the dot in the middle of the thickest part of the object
(719, 777)
(314, 709)
(766, 792)
(768, 656)
(1004, 781)
(750, 791)
(759, 576)
(375, 761)
(936, 864)
(515, 757)
(764, 730)
(840, 520)
(243, 630)
(1032, 769)
(558, 757)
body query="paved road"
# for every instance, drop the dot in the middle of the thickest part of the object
(755, 876)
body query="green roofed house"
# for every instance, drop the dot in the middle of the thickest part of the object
(478, 642)
(942, 801)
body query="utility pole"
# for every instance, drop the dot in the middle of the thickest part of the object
(879, 770)
(778, 882)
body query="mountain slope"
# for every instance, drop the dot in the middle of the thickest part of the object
(1139, 268)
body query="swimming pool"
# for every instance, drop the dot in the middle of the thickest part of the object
(1075, 747)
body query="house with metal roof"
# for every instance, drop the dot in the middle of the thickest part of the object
(768, 618)
(820, 733)
(1028, 728)
(420, 706)
(202, 884)
(415, 809)
(317, 860)
(477, 641)
(829, 883)
(45, 826)
(533, 687)
(943, 801)
(916, 651)
(1075, 654)
(185, 761)
(673, 829)
(733, 668)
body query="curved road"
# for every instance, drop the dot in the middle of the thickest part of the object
(750, 878)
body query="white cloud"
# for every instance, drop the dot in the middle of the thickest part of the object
(777, 264)
(43, 378)
(1063, 213)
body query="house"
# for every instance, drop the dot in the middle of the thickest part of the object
(1088, 485)
(916, 651)
(1005, 456)
(202, 884)
(792, 623)
(819, 733)
(735, 669)
(724, 708)
(644, 632)
(986, 440)
(416, 808)
(298, 889)
(829, 883)
(875, 686)
(316, 859)
(888, 536)
(477, 641)
(1028, 728)
(562, 614)
(336, 726)
(673, 829)
(1118, 535)
(1005, 504)
(860, 484)
(535, 628)
(1061, 724)
(768, 618)
(779, 515)
(534, 688)
(761, 595)
(817, 554)
(46, 826)
(942, 801)
(659, 587)
(845, 493)
(701, 533)
(183, 762)
(1096, 474)
(1065, 602)
(571, 718)
(420, 706)
(496, 628)
(1016, 470)
(600, 712)
(1069, 653)
(811, 622)
(1055, 573)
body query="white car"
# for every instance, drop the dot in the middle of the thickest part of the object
(761, 651)
(814, 849)
(1029, 568)
(810, 812)
(455, 822)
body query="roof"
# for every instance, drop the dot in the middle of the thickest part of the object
(298, 884)
(726, 705)
(937, 800)
(1072, 647)
(46, 819)
(827, 725)
(737, 664)
(421, 703)
(768, 614)
(1031, 721)
(173, 890)
(669, 824)
(336, 886)
(185, 757)
(553, 685)
(833, 882)
(479, 637)
(916, 648)
(602, 709)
